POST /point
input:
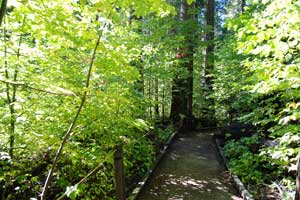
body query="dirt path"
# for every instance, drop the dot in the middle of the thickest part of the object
(191, 170)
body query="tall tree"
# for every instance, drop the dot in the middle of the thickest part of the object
(182, 88)
(209, 59)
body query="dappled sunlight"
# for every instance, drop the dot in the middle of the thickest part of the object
(188, 183)
(190, 170)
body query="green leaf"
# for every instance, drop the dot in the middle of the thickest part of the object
(190, 1)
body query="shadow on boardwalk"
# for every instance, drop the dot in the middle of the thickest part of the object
(191, 170)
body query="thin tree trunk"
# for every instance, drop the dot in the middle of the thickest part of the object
(243, 4)
(138, 63)
(2, 10)
(142, 81)
(189, 122)
(163, 104)
(9, 100)
(11, 97)
(150, 98)
(156, 99)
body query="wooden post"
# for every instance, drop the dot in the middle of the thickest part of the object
(119, 173)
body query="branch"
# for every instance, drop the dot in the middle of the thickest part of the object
(2, 10)
(68, 133)
(20, 84)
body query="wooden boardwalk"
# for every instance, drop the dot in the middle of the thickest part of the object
(191, 170)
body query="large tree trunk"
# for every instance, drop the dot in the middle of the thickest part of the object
(182, 89)
(209, 61)
(178, 104)
(190, 64)
(209, 37)
(179, 87)
(190, 117)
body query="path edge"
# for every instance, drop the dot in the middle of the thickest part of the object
(238, 183)
(135, 193)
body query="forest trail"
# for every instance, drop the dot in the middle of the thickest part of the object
(191, 170)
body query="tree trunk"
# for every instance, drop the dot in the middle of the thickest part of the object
(178, 104)
(209, 37)
(2, 10)
(138, 63)
(156, 109)
(243, 4)
(209, 61)
(139, 84)
(150, 98)
(163, 104)
(182, 88)
(190, 54)
(11, 96)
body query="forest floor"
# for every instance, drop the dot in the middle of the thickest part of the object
(191, 170)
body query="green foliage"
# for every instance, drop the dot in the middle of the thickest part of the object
(257, 76)
(252, 167)
(46, 48)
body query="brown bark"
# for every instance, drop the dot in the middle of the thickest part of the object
(209, 60)
(209, 37)
(179, 102)
(182, 88)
